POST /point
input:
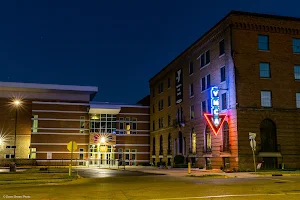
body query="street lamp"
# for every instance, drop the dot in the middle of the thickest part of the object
(16, 104)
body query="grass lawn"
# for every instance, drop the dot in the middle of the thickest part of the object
(283, 172)
(35, 176)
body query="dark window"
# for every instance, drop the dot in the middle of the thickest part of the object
(296, 45)
(297, 72)
(153, 146)
(203, 87)
(207, 57)
(208, 105)
(153, 92)
(192, 112)
(169, 143)
(169, 101)
(203, 106)
(263, 42)
(161, 145)
(225, 137)
(191, 69)
(7, 156)
(169, 120)
(191, 90)
(153, 108)
(208, 81)
(222, 47)
(224, 101)
(202, 60)
(169, 82)
(264, 70)
(223, 74)
(162, 104)
(153, 125)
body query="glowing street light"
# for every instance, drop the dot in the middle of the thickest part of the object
(102, 139)
(1, 141)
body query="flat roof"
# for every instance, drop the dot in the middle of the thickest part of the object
(233, 12)
(49, 86)
(112, 105)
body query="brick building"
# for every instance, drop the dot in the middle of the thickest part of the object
(247, 68)
(47, 117)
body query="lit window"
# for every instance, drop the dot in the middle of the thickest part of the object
(263, 42)
(266, 99)
(194, 141)
(298, 100)
(296, 45)
(264, 70)
(297, 72)
(35, 122)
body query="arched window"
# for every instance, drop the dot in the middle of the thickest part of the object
(207, 139)
(161, 149)
(180, 142)
(226, 144)
(193, 141)
(268, 136)
(153, 146)
(169, 144)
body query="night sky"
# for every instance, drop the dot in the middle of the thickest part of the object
(115, 45)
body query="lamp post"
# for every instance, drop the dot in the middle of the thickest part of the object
(16, 104)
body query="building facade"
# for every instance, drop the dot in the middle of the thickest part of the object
(245, 71)
(39, 120)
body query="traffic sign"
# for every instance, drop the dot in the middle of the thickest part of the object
(252, 135)
(253, 144)
(72, 146)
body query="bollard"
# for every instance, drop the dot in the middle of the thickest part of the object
(70, 169)
(189, 167)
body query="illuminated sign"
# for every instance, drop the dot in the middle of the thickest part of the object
(214, 119)
(179, 86)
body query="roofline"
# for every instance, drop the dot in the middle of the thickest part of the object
(111, 104)
(233, 12)
(91, 89)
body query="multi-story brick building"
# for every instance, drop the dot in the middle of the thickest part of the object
(39, 120)
(246, 67)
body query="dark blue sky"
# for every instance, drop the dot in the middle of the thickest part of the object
(115, 45)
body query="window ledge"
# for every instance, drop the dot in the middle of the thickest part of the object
(264, 50)
(220, 56)
(223, 82)
(204, 90)
(191, 96)
(205, 66)
(296, 53)
(191, 74)
(265, 78)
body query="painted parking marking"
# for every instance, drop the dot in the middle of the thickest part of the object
(229, 195)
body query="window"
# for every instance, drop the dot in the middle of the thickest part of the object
(121, 125)
(223, 75)
(224, 101)
(208, 105)
(263, 42)
(191, 68)
(82, 124)
(161, 122)
(202, 61)
(208, 81)
(33, 153)
(207, 139)
(169, 82)
(127, 156)
(127, 125)
(221, 47)
(153, 108)
(266, 99)
(160, 87)
(169, 101)
(191, 90)
(297, 72)
(153, 125)
(264, 70)
(161, 152)
(134, 125)
(203, 86)
(298, 100)
(207, 57)
(192, 114)
(104, 123)
(35, 122)
(203, 104)
(194, 141)
(160, 105)
(133, 156)
(169, 120)
(153, 146)
(153, 92)
(296, 45)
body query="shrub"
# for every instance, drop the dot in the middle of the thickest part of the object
(161, 164)
(179, 159)
(180, 166)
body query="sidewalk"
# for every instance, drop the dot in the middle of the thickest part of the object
(182, 172)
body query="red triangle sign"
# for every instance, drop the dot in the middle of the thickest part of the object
(210, 120)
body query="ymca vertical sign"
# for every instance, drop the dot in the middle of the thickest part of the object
(179, 86)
